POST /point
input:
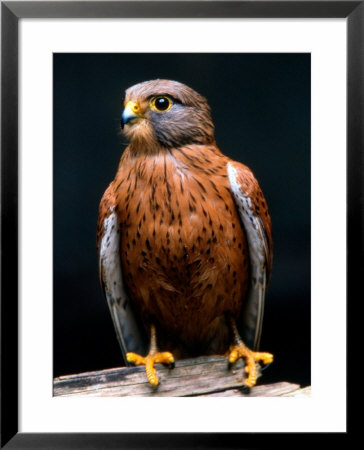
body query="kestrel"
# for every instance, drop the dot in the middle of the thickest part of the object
(184, 237)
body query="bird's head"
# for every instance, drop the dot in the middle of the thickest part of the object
(166, 113)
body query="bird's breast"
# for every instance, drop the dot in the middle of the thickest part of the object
(184, 253)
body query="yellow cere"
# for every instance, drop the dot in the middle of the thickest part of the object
(134, 107)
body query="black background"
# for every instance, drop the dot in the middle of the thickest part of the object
(261, 110)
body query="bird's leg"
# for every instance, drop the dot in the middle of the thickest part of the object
(153, 357)
(240, 350)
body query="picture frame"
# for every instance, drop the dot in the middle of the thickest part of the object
(11, 12)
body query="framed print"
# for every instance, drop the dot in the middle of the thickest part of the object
(292, 98)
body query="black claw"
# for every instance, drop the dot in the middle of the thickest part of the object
(265, 366)
(230, 365)
(171, 365)
(245, 389)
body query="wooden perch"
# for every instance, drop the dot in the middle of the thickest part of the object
(203, 376)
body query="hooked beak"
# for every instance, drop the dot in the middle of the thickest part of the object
(130, 114)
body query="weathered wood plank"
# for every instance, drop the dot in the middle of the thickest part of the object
(282, 389)
(203, 376)
(303, 392)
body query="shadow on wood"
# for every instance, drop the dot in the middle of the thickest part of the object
(203, 376)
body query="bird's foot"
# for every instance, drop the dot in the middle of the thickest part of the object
(251, 358)
(149, 361)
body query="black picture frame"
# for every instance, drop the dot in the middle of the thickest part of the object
(11, 12)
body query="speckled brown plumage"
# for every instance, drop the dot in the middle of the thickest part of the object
(184, 252)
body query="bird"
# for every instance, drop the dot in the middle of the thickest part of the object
(184, 238)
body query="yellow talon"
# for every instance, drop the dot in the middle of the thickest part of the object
(134, 358)
(240, 350)
(149, 361)
(233, 356)
(152, 358)
(150, 371)
(266, 358)
(250, 357)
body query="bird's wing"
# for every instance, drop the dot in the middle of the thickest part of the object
(255, 219)
(129, 333)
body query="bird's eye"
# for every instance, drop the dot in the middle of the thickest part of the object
(160, 103)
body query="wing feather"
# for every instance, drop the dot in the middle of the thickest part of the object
(255, 219)
(129, 333)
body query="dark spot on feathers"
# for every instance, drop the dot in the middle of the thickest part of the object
(201, 185)
(213, 185)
